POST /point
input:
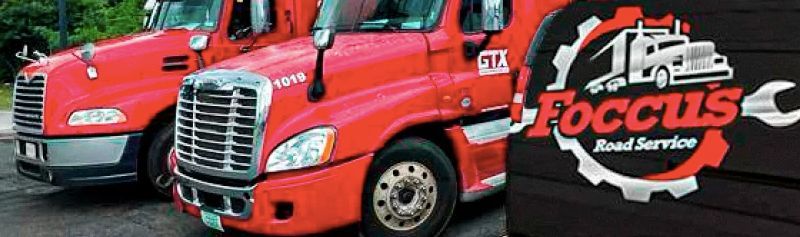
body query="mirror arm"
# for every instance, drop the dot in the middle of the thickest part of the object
(472, 49)
(200, 62)
(289, 21)
(249, 47)
(84, 61)
(485, 43)
(317, 89)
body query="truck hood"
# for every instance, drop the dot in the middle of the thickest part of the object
(130, 53)
(350, 66)
(125, 66)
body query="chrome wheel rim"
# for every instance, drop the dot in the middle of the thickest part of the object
(404, 196)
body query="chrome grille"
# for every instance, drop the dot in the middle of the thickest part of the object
(699, 57)
(28, 107)
(217, 128)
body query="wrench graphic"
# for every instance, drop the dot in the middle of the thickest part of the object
(762, 106)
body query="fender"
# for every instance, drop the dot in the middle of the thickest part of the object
(399, 105)
(140, 103)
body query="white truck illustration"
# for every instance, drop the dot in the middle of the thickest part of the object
(656, 55)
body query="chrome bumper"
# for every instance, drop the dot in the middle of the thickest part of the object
(236, 202)
(78, 161)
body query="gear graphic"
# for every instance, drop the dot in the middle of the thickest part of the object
(633, 189)
(712, 149)
(567, 54)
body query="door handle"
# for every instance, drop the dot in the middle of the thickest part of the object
(289, 22)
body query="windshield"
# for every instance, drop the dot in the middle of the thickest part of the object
(187, 14)
(378, 15)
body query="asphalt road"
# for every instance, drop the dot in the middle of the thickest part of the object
(31, 208)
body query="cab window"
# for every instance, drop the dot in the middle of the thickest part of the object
(668, 44)
(379, 15)
(186, 14)
(471, 15)
(240, 26)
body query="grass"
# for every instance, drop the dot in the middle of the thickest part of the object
(5, 96)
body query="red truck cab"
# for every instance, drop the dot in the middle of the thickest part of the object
(103, 113)
(394, 123)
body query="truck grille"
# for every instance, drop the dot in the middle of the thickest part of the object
(217, 128)
(699, 57)
(28, 107)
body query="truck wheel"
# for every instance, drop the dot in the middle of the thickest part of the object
(410, 190)
(662, 78)
(157, 172)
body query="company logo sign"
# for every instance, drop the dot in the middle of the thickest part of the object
(644, 110)
(493, 62)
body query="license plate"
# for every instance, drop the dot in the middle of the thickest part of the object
(27, 149)
(211, 220)
(30, 150)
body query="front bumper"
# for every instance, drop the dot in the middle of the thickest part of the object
(291, 203)
(78, 161)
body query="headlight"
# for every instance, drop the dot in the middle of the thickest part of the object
(310, 148)
(96, 117)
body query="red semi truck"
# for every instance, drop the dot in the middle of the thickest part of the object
(104, 113)
(406, 115)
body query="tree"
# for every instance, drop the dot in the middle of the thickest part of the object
(23, 22)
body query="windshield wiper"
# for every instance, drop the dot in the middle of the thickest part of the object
(182, 27)
(379, 26)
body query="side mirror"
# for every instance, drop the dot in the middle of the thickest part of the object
(493, 19)
(260, 16)
(323, 39)
(87, 52)
(149, 5)
(198, 42)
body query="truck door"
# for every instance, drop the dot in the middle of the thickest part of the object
(477, 92)
(638, 50)
(482, 76)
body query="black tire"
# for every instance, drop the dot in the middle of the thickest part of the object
(156, 158)
(419, 151)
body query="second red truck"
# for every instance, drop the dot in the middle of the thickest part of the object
(104, 113)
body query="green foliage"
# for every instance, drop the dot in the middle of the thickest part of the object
(5, 97)
(35, 23)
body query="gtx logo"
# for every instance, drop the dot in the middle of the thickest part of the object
(492, 62)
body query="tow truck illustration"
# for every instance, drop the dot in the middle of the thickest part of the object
(655, 55)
